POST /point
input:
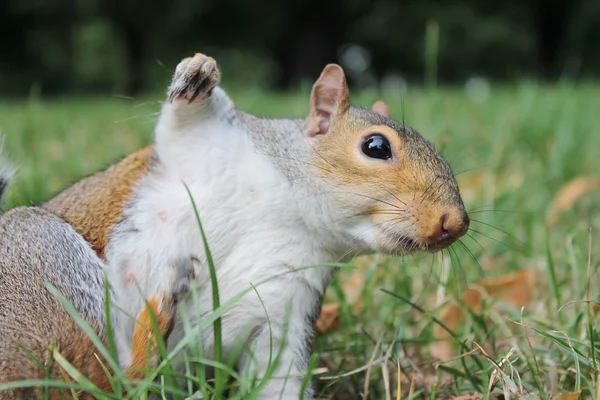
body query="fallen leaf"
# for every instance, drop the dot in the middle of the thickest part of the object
(514, 289)
(353, 289)
(468, 396)
(568, 195)
(328, 321)
(491, 263)
(568, 396)
(452, 315)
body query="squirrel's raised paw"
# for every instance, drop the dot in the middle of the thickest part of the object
(194, 78)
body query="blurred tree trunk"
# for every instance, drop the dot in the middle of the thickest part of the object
(133, 29)
(133, 41)
(314, 32)
(551, 21)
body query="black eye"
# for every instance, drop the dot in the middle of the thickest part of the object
(377, 146)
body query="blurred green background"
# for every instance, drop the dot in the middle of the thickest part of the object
(126, 47)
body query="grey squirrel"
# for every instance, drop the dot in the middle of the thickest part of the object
(274, 196)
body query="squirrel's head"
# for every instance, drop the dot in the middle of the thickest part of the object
(401, 195)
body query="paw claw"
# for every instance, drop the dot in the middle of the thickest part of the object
(183, 276)
(194, 78)
(196, 93)
(180, 277)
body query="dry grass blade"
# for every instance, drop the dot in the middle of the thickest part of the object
(369, 369)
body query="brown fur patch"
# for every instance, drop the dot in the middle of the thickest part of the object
(94, 204)
(143, 352)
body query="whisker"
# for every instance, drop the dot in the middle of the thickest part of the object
(425, 194)
(498, 229)
(465, 170)
(462, 271)
(429, 195)
(383, 212)
(494, 239)
(152, 114)
(362, 214)
(440, 193)
(479, 210)
(403, 107)
(394, 196)
(346, 254)
(466, 248)
(374, 198)
(479, 244)
(430, 274)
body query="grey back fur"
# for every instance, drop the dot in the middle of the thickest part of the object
(36, 246)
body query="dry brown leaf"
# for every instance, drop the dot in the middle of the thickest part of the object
(568, 396)
(353, 289)
(468, 396)
(452, 315)
(514, 289)
(492, 262)
(328, 321)
(568, 195)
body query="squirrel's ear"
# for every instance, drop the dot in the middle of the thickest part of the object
(381, 108)
(328, 100)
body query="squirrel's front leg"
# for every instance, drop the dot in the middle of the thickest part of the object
(194, 95)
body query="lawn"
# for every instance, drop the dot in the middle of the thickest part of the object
(527, 328)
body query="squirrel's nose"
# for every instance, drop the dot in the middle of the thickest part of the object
(449, 225)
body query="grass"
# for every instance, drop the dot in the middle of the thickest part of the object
(512, 153)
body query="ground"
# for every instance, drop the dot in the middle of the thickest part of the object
(529, 331)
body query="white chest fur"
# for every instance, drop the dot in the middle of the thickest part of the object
(256, 232)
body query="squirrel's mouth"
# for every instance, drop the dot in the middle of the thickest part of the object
(404, 244)
(440, 244)
(407, 245)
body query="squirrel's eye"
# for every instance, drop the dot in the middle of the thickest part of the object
(377, 146)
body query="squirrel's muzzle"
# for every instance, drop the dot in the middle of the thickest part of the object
(446, 228)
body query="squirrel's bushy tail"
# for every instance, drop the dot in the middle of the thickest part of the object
(6, 173)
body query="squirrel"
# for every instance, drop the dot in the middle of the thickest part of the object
(38, 247)
(275, 197)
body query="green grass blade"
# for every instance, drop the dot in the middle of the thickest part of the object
(220, 379)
